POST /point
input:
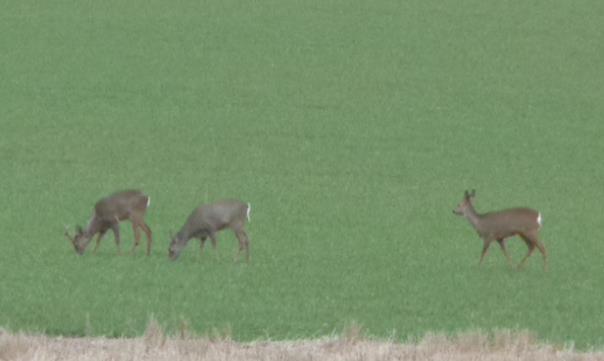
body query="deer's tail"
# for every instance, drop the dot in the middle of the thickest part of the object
(249, 210)
(540, 220)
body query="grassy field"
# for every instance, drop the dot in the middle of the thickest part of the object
(352, 127)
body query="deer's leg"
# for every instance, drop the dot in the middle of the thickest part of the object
(541, 248)
(148, 233)
(98, 240)
(485, 248)
(137, 235)
(213, 239)
(531, 244)
(501, 242)
(202, 241)
(533, 238)
(247, 246)
(115, 227)
(137, 224)
(244, 244)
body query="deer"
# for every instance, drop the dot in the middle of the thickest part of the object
(207, 220)
(108, 213)
(501, 225)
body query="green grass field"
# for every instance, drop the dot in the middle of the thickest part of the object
(352, 127)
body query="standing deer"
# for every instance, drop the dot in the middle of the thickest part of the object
(207, 220)
(498, 226)
(108, 213)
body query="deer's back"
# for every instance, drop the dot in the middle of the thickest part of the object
(510, 221)
(218, 215)
(121, 204)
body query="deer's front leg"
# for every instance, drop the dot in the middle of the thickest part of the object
(485, 248)
(115, 227)
(202, 241)
(98, 240)
(212, 236)
(213, 239)
(501, 242)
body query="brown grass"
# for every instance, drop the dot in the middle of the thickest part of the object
(352, 345)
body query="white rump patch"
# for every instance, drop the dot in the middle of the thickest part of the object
(148, 201)
(539, 220)
(249, 209)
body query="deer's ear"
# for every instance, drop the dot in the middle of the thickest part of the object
(473, 193)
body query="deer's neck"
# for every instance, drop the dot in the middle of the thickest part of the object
(473, 217)
(183, 235)
(93, 227)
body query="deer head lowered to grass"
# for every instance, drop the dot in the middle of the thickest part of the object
(108, 213)
(501, 225)
(208, 219)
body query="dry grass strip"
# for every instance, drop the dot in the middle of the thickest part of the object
(155, 345)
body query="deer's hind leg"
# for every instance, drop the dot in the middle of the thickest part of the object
(244, 243)
(148, 233)
(541, 249)
(532, 242)
(137, 236)
(137, 224)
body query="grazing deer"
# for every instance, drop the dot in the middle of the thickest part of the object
(108, 213)
(498, 226)
(207, 220)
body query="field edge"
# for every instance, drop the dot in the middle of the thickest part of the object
(155, 344)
